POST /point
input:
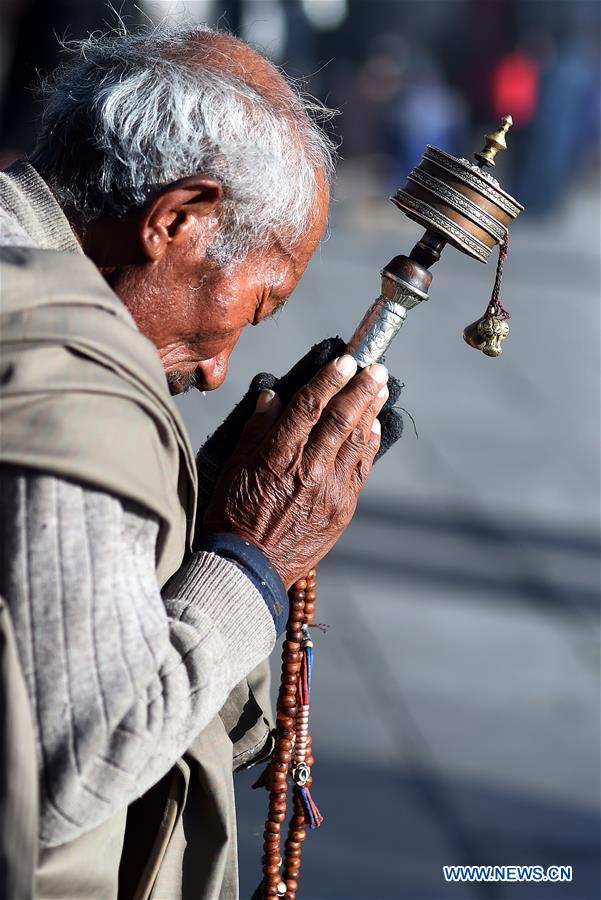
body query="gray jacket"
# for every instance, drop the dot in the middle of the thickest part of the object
(99, 458)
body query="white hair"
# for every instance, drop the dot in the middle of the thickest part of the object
(131, 112)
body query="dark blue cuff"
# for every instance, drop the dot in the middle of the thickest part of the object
(257, 567)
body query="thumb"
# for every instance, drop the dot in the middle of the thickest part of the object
(267, 412)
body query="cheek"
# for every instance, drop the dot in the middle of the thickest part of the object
(231, 306)
(218, 306)
(170, 296)
(220, 346)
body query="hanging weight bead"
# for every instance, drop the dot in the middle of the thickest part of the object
(487, 334)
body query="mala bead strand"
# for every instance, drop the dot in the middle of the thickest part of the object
(294, 842)
(286, 712)
(292, 755)
(311, 582)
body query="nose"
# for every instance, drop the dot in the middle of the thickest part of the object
(213, 371)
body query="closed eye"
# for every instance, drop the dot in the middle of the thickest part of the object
(274, 312)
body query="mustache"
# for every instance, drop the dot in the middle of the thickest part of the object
(182, 382)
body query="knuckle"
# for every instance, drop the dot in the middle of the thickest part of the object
(326, 383)
(339, 419)
(316, 471)
(278, 456)
(330, 377)
(358, 436)
(316, 467)
(363, 469)
(365, 388)
(307, 404)
(340, 521)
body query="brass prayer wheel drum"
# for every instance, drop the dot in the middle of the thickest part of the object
(459, 201)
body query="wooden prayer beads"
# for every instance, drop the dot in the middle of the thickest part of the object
(292, 751)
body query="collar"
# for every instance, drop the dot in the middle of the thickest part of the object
(27, 198)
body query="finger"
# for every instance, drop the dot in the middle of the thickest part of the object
(353, 449)
(366, 461)
(345, 411)
(267, 412)
(305, 408)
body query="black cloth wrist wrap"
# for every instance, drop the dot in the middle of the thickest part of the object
(255, 566)
(222, 443)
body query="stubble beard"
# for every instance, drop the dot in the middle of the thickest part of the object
(182, 382)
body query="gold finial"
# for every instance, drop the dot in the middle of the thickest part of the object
(495, 141)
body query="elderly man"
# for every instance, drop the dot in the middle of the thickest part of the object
(176, 194)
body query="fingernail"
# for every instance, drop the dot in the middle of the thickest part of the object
(264, 400)
(383, 392)
(346, 365)
(376, 427)
(379, 373)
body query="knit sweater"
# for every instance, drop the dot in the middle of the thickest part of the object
(121, 677)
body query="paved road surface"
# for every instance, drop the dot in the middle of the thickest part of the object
(456, 707)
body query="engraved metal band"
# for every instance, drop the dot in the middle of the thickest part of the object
(395, 288)
(443, 224)
(472, 179)
(457, 201)
(379, 326)
(382, 322)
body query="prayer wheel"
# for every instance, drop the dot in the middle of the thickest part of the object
(459, 203)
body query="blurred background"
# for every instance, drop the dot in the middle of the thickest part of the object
(456, 709)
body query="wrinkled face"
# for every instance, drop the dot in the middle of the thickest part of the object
(213, 305)
(198, 324)
(192, 309)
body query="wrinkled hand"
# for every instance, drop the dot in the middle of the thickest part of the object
(291, 485)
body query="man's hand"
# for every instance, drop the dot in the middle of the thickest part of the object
(291, 485)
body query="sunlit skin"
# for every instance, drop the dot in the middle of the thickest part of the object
(156, 259)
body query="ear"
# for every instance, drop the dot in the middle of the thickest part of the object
(173, 215)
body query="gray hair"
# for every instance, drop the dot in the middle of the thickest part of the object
(130, 113)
